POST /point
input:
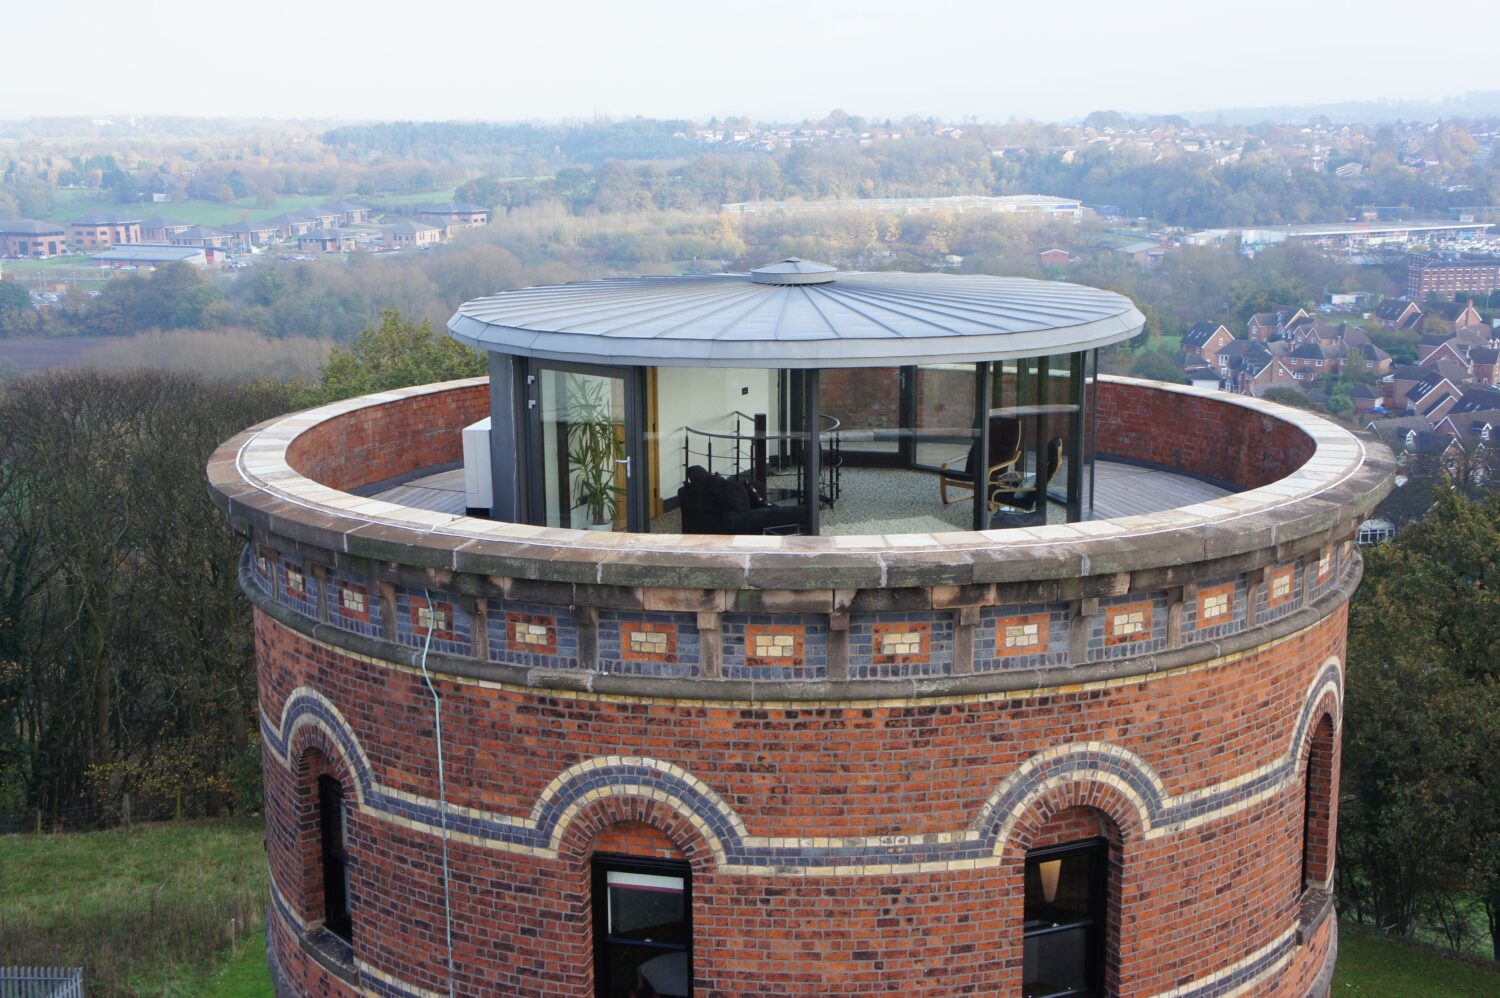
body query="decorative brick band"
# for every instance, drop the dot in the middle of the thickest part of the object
(735, 850)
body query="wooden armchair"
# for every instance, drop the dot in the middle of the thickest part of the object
(1005, 451)
(1031, 495)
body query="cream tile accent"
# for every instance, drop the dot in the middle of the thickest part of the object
(432, 619)
(1022, 635)
(901, 643)
(648, 642)
(353, 600)
(1133, 622)
(531, 634)
(1215, 605)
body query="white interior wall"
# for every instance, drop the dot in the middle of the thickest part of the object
(705, 398)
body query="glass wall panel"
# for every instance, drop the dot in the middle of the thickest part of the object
(866, 405)
(944, 414)
(584, 464)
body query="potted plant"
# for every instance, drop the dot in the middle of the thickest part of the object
(594, 447)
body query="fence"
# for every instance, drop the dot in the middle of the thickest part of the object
(41, 982)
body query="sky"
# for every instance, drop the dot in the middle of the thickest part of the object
(572, 59)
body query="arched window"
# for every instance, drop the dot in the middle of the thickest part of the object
(1317, 810)
(1066, 909)
(333, 843)
(643, 933)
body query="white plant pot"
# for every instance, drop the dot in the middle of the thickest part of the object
(600, 526)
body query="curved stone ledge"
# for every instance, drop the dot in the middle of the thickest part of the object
(255, 477)
(1030, 681)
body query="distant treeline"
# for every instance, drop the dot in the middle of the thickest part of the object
(1190, 192)
(459, 141)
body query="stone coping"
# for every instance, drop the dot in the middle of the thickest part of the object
(251, 478)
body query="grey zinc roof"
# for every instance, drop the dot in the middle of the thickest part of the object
(855, 320)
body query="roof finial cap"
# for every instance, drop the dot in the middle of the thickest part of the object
(794, 271)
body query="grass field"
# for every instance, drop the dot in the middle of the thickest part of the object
(178, 909)
(169, 909)
(1377, 967)
(191, 212)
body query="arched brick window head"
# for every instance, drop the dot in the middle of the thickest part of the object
(1318, 813)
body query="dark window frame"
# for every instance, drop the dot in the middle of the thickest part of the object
(601, 865)
(1096, 923)
(333, 857)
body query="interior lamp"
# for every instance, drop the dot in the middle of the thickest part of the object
(1050, 870)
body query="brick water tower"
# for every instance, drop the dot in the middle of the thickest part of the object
(800, 633)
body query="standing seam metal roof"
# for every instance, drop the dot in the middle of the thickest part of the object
(855, 320)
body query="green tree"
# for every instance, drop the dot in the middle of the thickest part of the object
(395, 353)
(1421, 782)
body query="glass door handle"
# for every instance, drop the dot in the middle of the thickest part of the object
(626, 462)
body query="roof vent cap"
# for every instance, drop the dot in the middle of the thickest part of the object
(794, 271)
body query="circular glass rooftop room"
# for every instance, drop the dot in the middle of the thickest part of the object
(795, 399)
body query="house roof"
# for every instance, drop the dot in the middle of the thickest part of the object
(451, 208)
(1392, 309)
(1362, 391)
(852, 320)
(248, 227)
(30, 227)
(106, 218)
(1484, 355)
(1449, 311)
(409, 226)
(149, 253)
(1200, 334)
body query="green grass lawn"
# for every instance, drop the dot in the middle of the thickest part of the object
(166, 909)
(190, 212)
(1387, 968)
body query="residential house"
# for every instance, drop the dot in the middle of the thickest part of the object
(1484, 365)
(161, 230)
(1202, 343)
(291, 224)
(348, 212)
(1434, 396)
(1365, 398)
(103, 230)
(1398, 313)
(450, 214)
(328, 241)
(200, 235)
(25, 237)
(1264, 325)
(407, 233)
(244, 235)
(1460, 313)
(1053, 257)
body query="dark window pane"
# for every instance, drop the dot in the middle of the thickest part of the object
(1057, 963)
(647, 908)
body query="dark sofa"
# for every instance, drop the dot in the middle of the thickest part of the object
(713, 504)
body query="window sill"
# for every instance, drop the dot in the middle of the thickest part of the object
(1315, 906)
(331, 953)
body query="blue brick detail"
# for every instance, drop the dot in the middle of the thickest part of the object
(987, 638)
(307, 604)
(863, 646)
(372, 628)
(1099, 651)
(1234, 624)
(565, 634)
(612, 659)
(461, 628)
(814, 663)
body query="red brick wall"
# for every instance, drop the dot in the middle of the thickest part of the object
(1202, 436)
(1197, 899)
(380, 442)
